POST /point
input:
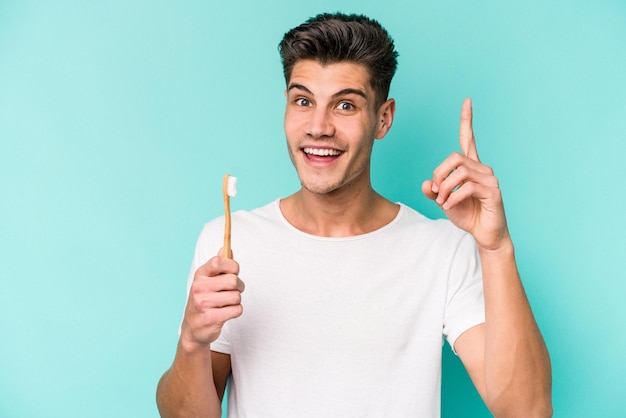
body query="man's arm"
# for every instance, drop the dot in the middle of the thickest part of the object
(194, 385)
(506, 357)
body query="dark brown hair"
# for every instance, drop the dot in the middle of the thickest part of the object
(337, 37)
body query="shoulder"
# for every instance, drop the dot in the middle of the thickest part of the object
(268, 212)
(414, 221)
(438, 238)
(211, 236)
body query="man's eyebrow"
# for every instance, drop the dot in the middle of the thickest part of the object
(299, 87)
(343, 92)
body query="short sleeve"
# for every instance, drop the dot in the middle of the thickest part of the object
(465, 306)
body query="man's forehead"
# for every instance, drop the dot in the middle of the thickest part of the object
(342, 75)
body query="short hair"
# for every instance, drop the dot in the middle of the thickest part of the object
(337, 37)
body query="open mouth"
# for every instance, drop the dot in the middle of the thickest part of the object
(315, 153)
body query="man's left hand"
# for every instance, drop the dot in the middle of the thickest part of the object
(468, 192)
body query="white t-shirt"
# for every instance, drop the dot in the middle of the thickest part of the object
(344, 327)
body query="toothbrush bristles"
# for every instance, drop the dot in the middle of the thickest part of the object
(231, 187)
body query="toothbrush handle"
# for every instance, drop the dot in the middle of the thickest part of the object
(227, 251)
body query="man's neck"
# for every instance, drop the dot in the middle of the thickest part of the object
(338, 214)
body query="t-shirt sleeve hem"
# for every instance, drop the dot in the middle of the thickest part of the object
(220, 347)
(469, 322)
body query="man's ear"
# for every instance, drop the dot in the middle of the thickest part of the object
(386, 113)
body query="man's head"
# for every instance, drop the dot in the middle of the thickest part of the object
(333, 38)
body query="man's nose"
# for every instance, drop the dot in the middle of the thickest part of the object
(321, 124)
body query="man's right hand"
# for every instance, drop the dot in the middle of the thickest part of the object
(214, 298)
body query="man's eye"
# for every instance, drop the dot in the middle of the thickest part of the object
(345, 106)
(303, 102)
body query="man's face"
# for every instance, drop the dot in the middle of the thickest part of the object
(331, 121)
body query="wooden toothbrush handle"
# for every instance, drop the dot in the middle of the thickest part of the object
(227, 250)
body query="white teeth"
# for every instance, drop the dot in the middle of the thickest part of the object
(322, 152)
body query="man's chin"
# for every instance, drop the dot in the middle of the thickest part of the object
(319, 188)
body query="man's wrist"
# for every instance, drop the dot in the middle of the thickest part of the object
(189, 344)
(504, 250)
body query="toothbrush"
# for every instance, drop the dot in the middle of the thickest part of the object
(229, 190)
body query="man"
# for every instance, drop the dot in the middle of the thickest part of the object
(348, 294)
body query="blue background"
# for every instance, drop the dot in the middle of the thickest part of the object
(118, 120)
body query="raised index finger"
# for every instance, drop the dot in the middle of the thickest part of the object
(466, 132)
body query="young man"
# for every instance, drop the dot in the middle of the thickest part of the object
(348, 294)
